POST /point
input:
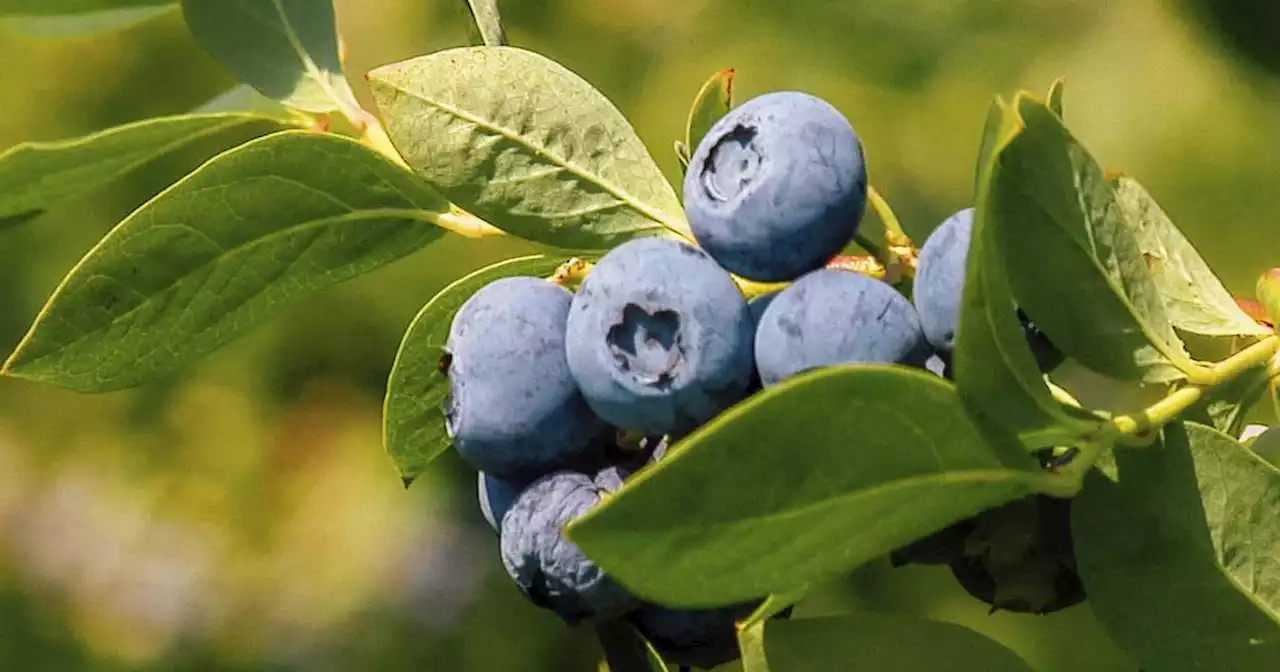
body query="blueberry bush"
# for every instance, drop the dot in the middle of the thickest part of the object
(702, 401)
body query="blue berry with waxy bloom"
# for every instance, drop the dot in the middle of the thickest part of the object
(831, 317)
(777, 187)
(548, 568)
(659, 337)
(513, 408)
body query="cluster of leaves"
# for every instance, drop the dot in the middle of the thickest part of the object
(1176, 524)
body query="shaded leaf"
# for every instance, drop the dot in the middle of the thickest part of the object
(1000, 125)
(526, 145)
(845, 464)
(413, 428)
(1194, 298)
(1181, 556)
(54, 7)
(487, 22)
(995, 369)
(1073, 262)
(884, 642)
(35, 176)
(713, 101)
(220, 251)
(287, 49)
(90, 23)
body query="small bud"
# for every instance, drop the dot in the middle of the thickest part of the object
(1269, 293)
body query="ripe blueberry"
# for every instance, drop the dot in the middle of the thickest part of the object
(546, 566)
(659, 337)
(832, 317)
(777, 187)
(513, 407)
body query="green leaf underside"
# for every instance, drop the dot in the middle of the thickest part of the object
(36, 176)
(1073, 260)
(1225, 407)
(488, 21)
(884, 642)
(995, 370)
(54, 7)
(412, 422)
(751, 631)
(225, 248)
(1181, 557)
(287, 49)
(845, 464)
(1194, 298)
(751, 647)
(713, 101)
(525, 144)
(90, 23)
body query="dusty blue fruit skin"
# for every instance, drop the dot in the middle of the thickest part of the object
(777, 187)
(832, 317)
(513, 407)
(939, 288)
(659, 337)
(496, 497)
(547, 568)
(939, 281)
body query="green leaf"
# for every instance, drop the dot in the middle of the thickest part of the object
(1054, 99)
(413, 430)
(713, 101)
(81, 25)
(844, 464)
(1194, 299)
(287, 49)
(1181, 557)
(487, 21)
(527, 145)
(225, 248)
(53, 7)
(1072, 259)
(36, 176)
(1001, 124)
(884, 642)
(995, 369)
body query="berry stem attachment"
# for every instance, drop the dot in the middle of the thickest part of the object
(899, 257)
(623, 649)
(1141, 428)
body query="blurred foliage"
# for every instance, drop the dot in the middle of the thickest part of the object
(242, 516)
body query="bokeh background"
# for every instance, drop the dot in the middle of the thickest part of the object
(242, 516)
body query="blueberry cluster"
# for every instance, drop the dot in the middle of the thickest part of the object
(557, 397)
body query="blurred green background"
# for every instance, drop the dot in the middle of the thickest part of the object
(243, 515)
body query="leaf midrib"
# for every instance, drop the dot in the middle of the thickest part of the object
(313, 70)
(613, 190)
